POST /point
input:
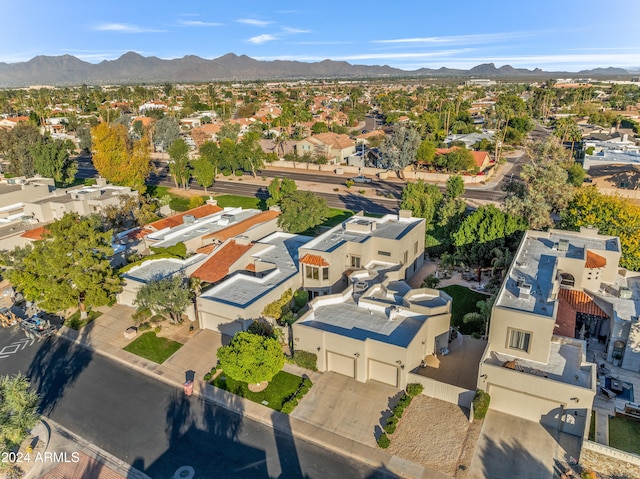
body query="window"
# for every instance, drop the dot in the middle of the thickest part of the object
(325, 273)
(384, 253)
(405, 257)
(567, 279)
(355, 261)
(312, 272)
(415, 248)
(623, 184)
(519, 340)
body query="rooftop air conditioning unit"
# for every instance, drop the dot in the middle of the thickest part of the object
(624, 293)
(188, 219)
(563, 245)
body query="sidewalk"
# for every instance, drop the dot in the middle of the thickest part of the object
(196, 357)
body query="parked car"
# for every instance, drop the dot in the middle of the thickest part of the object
(361, 179)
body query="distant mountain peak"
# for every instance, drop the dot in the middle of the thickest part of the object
(132, 67)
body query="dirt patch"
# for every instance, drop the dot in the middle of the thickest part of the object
(187, 193)
(437, 435)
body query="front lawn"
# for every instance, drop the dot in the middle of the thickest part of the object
(245, 202)
(624, 434)
(74, 321)
(152, 347)
(464, 301)
(281, 387)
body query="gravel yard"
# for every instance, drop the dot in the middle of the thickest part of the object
(437, 435)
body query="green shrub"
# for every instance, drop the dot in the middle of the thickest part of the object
(226, 172)
(239, 173)
(398, 411)
(404, 401)
(195, 202)
(141, 315)
(261, 328)
(480, 404)
(157, 329)
(390, 427)
(90, 182)
(157, 318)
(207, 377)
(349, 183)
(144, 326)
(362, 192)
(384, 441)
(300, 299)
(178, 250)
(307, 382)
(414, 389)
(305, 359)
(289, 406)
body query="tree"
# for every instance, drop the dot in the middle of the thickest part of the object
(131, 211)
(426, 152)
(302, 211)
(18, 411)
(203, 172)
(544, 189)
(84, 137)
(179, 166)
(52, 159)
(251, 358)
(455, 186)
(481, 317)
(399, 149)
(280, 188)
(165, 132)
(576, 174)
(485, 229)
(118, 159)
(167, 297)
(422, 199)
(612, 215)
(69, 267)
(16, 145)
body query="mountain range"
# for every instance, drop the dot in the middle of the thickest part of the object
(134, 68)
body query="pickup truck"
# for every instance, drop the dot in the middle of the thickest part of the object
(361, 179)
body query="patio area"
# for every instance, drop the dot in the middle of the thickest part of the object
(460, 366)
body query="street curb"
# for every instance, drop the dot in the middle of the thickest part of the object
(394, 463)
(100, 455)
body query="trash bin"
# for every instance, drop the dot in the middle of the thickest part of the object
(188, 388)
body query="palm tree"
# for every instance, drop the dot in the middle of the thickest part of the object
(18, 410)
(501, 261)
(482, 316)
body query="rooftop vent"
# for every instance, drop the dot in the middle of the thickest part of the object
(624, 293)
(229, 218)
(563, 245)
(188, 219)
(520, 281)
(524, 291)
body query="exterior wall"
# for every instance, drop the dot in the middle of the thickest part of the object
(445, 392)
(540, 327)
(28, 192)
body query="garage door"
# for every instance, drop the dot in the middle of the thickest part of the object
(527, 407)
(383, 372)
(341, 364)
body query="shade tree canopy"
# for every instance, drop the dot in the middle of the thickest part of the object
(251, 358)
(302, 211)
(168, 297)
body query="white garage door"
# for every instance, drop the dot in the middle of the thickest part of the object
(526, 407)
(341, 364)
(383, 372)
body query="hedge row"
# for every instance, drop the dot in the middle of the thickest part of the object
(292, 401)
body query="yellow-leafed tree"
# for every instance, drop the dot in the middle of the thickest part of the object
(118, 159)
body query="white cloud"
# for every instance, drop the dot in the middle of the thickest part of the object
(254, 22)
(198, 23)
(125, 28)
(262, 39)
(295, 30)
(458, 39)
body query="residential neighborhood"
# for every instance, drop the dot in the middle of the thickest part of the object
(387, 277)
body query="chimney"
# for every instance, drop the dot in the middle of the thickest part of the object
(404, 214)
(212, 202)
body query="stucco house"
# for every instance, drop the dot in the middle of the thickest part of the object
(361, 242)
(533, 366)
(333, 146)
(379, 333)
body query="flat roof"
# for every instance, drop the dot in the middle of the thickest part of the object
(201, 226)
(242, 289)
(535, 264)
(154, 269)
(564, 365)
(389, 227)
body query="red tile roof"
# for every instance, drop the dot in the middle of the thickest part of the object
(480, 157)
(595, 260)
(208, 249)
(314, 260)
(217, 266)
(35, 233)
(176, 220)
(251, 267)
(84, 467)
(242, 226)
(581, 302)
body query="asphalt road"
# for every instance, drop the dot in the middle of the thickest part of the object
(153, 426)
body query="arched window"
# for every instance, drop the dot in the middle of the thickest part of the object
(567, 279)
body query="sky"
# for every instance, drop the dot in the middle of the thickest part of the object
(558, 35)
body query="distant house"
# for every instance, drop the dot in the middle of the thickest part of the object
(481, 158)
(10, 122)
(333, 146)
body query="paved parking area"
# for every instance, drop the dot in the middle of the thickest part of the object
(346, 407)
(511, 447)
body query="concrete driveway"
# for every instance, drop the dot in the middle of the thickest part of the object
(347, 407)
(511, 447)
